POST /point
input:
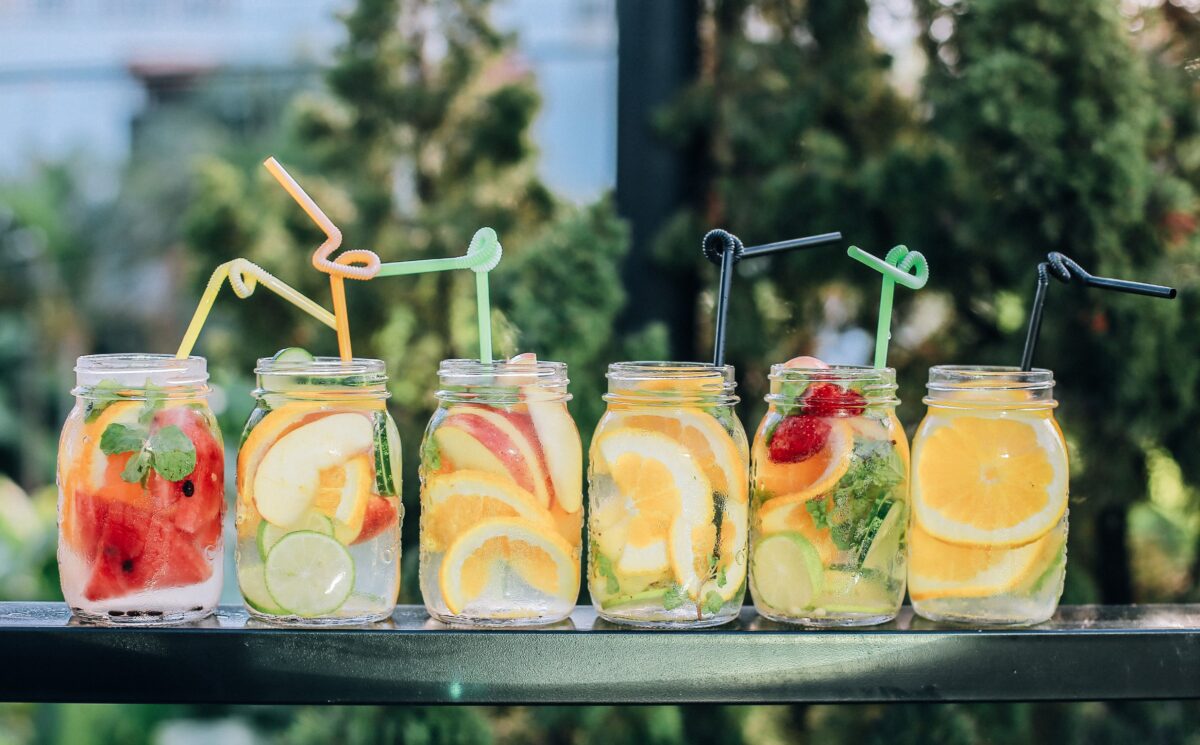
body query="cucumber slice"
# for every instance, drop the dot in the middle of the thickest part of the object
(787, 572)
(387, 456)
(269, 534)
(883, 545)
(848, 591)
(309, 574)
(252, 581)
(292, 354)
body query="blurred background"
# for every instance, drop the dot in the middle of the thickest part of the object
(602, 138)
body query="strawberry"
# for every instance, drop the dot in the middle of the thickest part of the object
(797, 438)
(829, 399)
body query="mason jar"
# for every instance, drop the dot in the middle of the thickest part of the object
(668, 497)
(318, 482)
(989, 533)
(141, 485)
(501, 495)
(830, 508)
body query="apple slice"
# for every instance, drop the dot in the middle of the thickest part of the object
(482, 439)
(559, 439)
(289, 477)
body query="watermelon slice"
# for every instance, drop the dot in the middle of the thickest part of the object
(196, 503)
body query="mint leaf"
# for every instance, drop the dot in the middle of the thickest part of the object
(674, 597)
(155, 396)
(859, 496)
(722, 578)
(120, 438)
(604, 566)
(713, 603)
(136, 469)
(431, 454)
(102, 395)
(174, 454)
(819, 511)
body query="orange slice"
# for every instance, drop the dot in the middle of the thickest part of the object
(456, 501)
(789, 514)
(944, 570)
(808, 478)
(534, 552)
(706, 439)
(735, 535)
(989, 481)
(342, 495)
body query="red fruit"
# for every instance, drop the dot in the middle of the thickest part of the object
(196, 503)
(797, 438)
(829, 399)
(381, 515)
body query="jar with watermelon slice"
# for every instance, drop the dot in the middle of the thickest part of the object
(501, 495)
(141, 477)
(318, 493)
(829, 513)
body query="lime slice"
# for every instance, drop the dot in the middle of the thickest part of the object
(848, 591)
(787, 572)
(293, 354)
(648, 597)
(884, 546)
(253, 583)
(270, 534)
(309, 574)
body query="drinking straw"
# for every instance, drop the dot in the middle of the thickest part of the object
(894, 267)
(354, 264)
(725, 249)
(243, 277)
(483, 254)
(1065, 270)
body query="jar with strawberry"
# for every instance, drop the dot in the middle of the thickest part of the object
(668, 493)
(141, 483)
(501, 495)
(829, 512)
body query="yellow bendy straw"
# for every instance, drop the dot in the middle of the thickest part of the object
(243, 277)
(354, 264)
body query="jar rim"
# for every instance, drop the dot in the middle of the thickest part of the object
(876, 384)
(326, 367)
(139, 370)
(716, 383)
(545, 371)
(988, 377)
(666, 369)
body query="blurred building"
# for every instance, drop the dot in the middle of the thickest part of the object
(76, 74)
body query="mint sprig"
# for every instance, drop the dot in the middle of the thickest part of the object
(850, 510)
(167, 450)
(713, 603)
(172, 454)
(604, 565)
(674, 597)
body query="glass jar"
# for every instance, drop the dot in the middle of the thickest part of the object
(830, 508)
(318, 482)
(988, 540)
(501, 495)
(668, 494)
(141, 484)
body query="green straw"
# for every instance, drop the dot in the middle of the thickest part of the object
(482, 256)
(894, 268)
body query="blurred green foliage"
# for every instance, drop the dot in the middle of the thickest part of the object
(1037, 125)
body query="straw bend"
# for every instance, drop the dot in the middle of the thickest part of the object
(908, 268)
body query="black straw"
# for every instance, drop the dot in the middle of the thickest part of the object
(725, 249)
(1065, 270)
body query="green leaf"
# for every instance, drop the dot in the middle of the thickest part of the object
(713, 603)
(674, 597)
(120, 438)
(604, 565)
(136, 469)
(102, 395)
(174, 454)
(155, 396)
(722, 578)
(819, 511)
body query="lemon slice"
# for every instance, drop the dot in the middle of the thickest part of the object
(787, 573)
(454, 502)
(945, 570)
(668, 498)
(990, 481)
(808, 478)
(703, 436)
(735, 534)
(536, 553)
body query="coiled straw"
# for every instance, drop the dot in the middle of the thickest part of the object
(910, 269)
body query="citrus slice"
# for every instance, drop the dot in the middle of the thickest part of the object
(706, 439)
(455, 501)
(990, 481)
(786, 573)
(343, 494)
(789, 514)
(883, 547)
(537, 554)
(268, 535)
(731, 566)
(258, 440)
(944, 570)
(808, 478)
(252, 581)
(309, 574)
(668, 499)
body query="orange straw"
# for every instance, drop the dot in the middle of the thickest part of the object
(355, 264)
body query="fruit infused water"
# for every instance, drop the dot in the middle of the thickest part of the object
(501, 495)
(318, 480)
(668, 494)
(989, 534)
(141, 478)
(830, 507)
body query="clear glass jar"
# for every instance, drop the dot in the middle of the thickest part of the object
(830, 508)
(501, 495)
(668, 494)
(988, 542)
(141, 484)
(318, 482)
